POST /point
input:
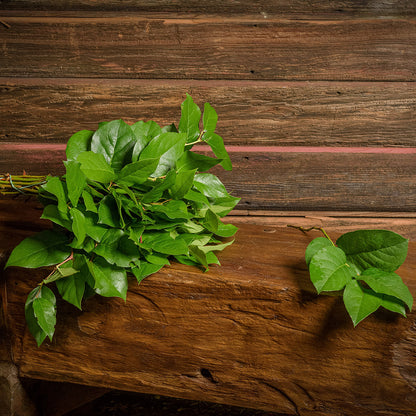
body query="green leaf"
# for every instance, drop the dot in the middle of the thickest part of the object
(108, 212)
(52, 213)
(190, 161)
(388, 283)
(170, 128)
(78, 143)
(210, 118)
(328, 269)
(55, 187)
(393, 304)
(212, 258)
(190, 116)
(160, 186)
(95, 167)
(226, 230)
(117, 249)
(183, 183)
(145, 269)
(210, 186)
(316, 245)
(381, 249)
(211, 221)
(78, 226)
(144, 132)
(199, 255)
(163, 243)
(157, 259)
(360, 302)
(217, 247)
(217, 145)
(115, 141)
(72, 289)
(135, 233)
(119, 202)
(168, 147)
(32, 320)
(223, 206)
(42, 249)
(45, 313)
(92, 228)
(138, 172)
(89, 202)
(110, 280)
(173, 209)
(192, 227)
(75, 180)
(32, 323)
(196, 196)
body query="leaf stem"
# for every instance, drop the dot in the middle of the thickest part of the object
(305, 230)
(56, 268)
(20, 184)
(199, 140)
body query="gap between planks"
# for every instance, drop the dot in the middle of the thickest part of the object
(173, 18)
(60, 147)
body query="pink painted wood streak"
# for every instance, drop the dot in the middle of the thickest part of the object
(59, 147)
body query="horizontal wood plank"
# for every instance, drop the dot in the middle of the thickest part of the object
(280, 181)
(260, 113)
(251, 333)
(295, 8)
(341, 223)
(209, 48)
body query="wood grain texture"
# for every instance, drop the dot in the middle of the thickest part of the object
(209, 48)
(260, 113)
(280, 181)
(251, 333)
(295, 8)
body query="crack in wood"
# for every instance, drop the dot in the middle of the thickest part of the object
(282, 393)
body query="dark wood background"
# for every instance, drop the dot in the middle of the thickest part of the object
(328, 87)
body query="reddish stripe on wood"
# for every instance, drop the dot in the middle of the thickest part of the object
(59, 147)
(312, 149)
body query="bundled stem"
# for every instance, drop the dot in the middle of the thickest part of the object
(20, 184)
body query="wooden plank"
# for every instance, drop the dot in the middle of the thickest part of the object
(261, 113)
(250, 333)
(295, 8)
(280, 180)
(209, 48)
(332, 223)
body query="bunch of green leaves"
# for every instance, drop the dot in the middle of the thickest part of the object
(362, 264)
(133, 198)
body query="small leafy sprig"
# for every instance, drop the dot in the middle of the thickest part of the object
(133, 197)
(362, 264)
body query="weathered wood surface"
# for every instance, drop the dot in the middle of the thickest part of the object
(261, 113)
(207, 47)
(296, 8)
(250, 333)
(280, 180)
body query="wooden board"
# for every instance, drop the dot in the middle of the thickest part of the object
(260, 113)
(296, 8)
(250, 333)
(280, 180)
(207, 47)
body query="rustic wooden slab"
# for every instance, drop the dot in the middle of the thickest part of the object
(205, 47)
(277, 180)
(250, 333)
(260, 113)
(295, 8)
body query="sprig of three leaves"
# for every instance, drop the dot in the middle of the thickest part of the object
(362, 264)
